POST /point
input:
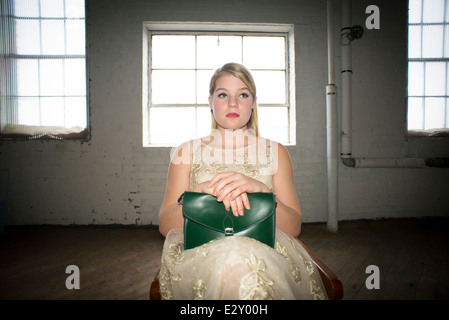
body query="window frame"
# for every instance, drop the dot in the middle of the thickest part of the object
(14, 57)
(435, 132)
(214, 28)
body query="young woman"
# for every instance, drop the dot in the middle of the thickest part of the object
(230, 163)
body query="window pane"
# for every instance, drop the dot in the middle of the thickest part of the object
(432, 43)
(215, 51)
(51, 77)
(430, 77)
(447, 12)
(264, 52)
(27, 37)
(52, 37)
(203, 117)
(414, 42)
(435, 78)
(26, 8)
(273, 123)
(76, 40)
(42, 80)
(416, 78)
(74, 8)
(433, 11)
(203, 78)
(172, 125)
(415, 114)
(52, 111)
(52, 8)
(434, 113)
(447, 80)
(270, 86)
(28, 111)
(75, 112)
(75, 77)
(173, 52)
(414, 13)
(446, 41)
(173, 86)
(27, 77)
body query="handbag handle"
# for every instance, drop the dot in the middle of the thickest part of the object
(181, 199)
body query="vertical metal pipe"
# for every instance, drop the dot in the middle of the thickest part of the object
(330, 42)
(346, 79)
(331, 127)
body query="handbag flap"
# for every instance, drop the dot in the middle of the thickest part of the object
(204, 209)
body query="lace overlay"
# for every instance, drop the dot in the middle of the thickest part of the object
(256, 285)
(237, 267)
(255, 161)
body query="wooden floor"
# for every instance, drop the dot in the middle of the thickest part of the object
(119, 262)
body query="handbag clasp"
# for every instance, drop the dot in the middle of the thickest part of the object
(229, 232)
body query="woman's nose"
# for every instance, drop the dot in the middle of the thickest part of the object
(233, 101)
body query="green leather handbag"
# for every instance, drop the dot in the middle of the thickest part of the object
(206, 219)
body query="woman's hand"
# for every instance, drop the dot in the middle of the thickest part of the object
(203, 188)
(232, 188)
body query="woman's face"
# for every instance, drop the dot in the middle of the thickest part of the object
(231, 103)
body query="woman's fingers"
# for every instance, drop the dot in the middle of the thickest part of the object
(237, 206)
(219, 177)
(230, 184)
(222, 180)
(245, 201)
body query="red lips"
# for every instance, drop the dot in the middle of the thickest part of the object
(232, 115)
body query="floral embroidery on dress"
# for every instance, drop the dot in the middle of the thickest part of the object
(295, 271)
(282, 250)
(309, 266)
(198, 290)
(175, 253)
(250, 169)
(202, 251)
(204, 165)
(174, 256)
(164, 280)
(316, 290)
(256, 285)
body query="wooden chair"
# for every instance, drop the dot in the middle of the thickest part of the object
(332, 283)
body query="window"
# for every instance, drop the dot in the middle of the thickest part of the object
(181, 63)
(43, 69)
(428, 73)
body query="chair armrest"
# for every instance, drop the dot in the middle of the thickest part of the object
(155, 293)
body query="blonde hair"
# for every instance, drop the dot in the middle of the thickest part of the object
(241, 72)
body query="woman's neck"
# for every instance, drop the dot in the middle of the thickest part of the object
(231, 139)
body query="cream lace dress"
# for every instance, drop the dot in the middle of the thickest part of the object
(236, 267)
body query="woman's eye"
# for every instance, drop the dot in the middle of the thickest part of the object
(244, 95)
(222, 95)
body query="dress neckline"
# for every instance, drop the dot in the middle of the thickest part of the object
(258, 140)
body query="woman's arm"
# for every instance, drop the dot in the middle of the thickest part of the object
(178, 181)
(288, 211)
